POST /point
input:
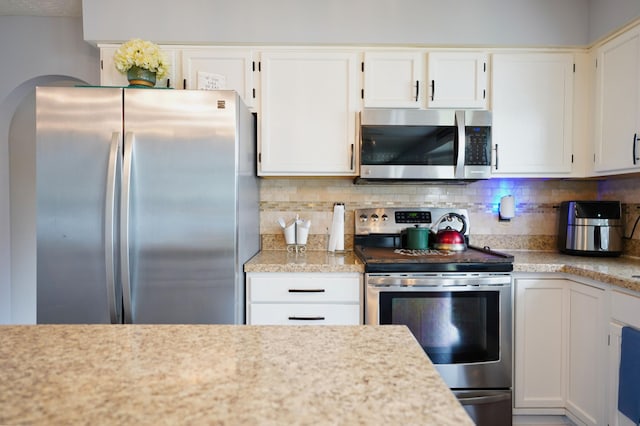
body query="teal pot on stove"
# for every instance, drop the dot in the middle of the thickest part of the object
(417, 238)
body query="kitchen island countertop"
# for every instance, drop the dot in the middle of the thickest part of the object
(217, 374)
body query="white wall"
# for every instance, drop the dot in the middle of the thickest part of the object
(35, 50)
(433, 22)
(605, 16)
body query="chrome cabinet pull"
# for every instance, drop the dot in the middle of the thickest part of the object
(496, 150)
(635, 141)
(304, 290)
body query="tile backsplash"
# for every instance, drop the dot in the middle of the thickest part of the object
(534, 227)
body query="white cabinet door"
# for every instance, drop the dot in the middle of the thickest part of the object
(304, 314)
(618, 105)
(219, 68)
(457, 80)
(110, 76)
(304, 288)
(393, 79)
(532, 104)
(540, 343)
(304, 298)
(309, 105)
(625, 310)
(586, 388)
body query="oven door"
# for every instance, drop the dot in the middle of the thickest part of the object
(463, 322)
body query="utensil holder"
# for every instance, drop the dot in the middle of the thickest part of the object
(296, 236)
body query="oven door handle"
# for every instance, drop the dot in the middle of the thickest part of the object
(475, 398)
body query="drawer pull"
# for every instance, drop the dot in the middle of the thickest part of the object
(306, 318)
(306, 290)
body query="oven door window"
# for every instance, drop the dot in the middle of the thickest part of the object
(409, 145)
(452, 327)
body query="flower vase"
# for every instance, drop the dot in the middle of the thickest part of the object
(141, 77)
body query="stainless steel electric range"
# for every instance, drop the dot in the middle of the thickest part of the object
(458, 304)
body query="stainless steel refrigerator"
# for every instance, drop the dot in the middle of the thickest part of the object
(147, 205)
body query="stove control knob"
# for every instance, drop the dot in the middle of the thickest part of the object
(363, 218)
(385, 217)
(375, 217)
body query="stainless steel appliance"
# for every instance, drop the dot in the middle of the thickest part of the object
(458, 304)
(147, 205)
(590, 228)
(425, 144)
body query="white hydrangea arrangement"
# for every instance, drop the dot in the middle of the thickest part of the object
(142, 54)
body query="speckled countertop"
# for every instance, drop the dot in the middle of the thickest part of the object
(216, 374)
(309, 261)
(619, 271)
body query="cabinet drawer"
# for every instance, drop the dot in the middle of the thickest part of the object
(303, 288)
(625, 308)
(305, 314)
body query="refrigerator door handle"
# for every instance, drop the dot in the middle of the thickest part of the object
(109, 226)
(124, 227)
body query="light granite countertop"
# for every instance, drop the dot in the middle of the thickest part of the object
(309, 261)
(618, 271)
(217, 374)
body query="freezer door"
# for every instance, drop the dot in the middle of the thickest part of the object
(78, 135)
(179, 206)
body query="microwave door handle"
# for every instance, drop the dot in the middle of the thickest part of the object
(459, 166)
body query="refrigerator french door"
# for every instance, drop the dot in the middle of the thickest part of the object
(147, 205)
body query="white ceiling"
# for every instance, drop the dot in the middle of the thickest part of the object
(41, 7)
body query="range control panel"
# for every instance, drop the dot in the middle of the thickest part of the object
(414, 216)
(395, 220)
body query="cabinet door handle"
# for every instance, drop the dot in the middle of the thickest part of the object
(496, 149)
(417, 90)
(635, 141)
(433, 89)
(306, 318)
(306, 290)
(353, 156)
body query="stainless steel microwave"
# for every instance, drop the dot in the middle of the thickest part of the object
(433, 144)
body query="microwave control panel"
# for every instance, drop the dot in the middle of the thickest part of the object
(477, 151)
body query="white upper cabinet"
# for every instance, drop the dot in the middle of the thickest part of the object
(309, 106)
(219, 68)
(617, 111)
(532, 104)
(393, 79)
(457, 80)
(110, 76)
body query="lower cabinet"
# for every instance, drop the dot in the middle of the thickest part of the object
(540, 343)
(625, 311)
(586, 384)
(304, 298)
(560, 349)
